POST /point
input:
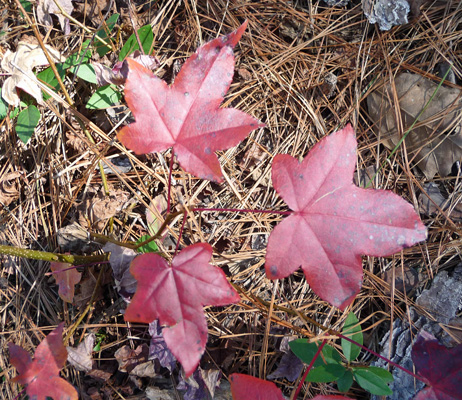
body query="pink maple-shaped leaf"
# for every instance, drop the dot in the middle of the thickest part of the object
(333, 222)
(176, 295)
(246, 387)
(439, 366)
(186, 115)
(66, 277)
(41, 375)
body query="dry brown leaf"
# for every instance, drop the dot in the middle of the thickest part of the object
(80, 356)
(66, 277)
(9, 188)
(128, 359)
(20, 64)
(432, 198)
(436, 140)
(98, 209)
(47, 7)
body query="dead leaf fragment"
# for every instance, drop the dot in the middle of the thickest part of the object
(9, 188)
(120, 260)
(80, 356)
(20, 64)
(128, 359)
(97, 209)
(435, 142)
(66, 277)
(432, 198)
(47, 7)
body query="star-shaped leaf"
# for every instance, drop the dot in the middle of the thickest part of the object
(441, 367)
(333, 222)
(41, 375)
(176, 294)
(186, 115)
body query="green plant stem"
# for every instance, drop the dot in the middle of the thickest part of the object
(47, 256)
(168, 218)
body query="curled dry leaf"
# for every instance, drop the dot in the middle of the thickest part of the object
(432, 198)
(9, 188)
(80, 356)
(20, 64)
(435, 143)
(128, 359)
(47, 7)
(99, 208)
(66, 277)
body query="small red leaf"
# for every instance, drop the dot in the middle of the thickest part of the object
(441, 367)
(41, 375)
(333, 221)
(246, 387)
(176, 294)
(66, 277)
(186, 115)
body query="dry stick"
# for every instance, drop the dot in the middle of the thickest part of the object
(135, 31)
(47, 256)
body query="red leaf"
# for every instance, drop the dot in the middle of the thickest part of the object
(333, 221)
(176, 294)
(66, 277)
(42, 374)
(186, 115)
(246, 387)
(441, 367)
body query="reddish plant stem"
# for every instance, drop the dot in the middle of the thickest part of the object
(383, 358)
(76, 266)
(180, 233)
(299, 387)
(169, 186)
(243, 210)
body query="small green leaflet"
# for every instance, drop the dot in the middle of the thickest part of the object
(81, 57)
(151, 247)
(326, 373)
(104, 97)
(352, 330)
(146, 38)
(374, 380)
(26, 123)
(85, 72)
(103, 33)
(344, 382)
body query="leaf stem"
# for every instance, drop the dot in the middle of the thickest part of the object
(300, 384)
(243, 210)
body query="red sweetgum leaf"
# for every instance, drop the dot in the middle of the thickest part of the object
(441, 368)
(66, 277)
(41, 375)
(333, 222)
(186, 115)
(246, 387)
(176, 294)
